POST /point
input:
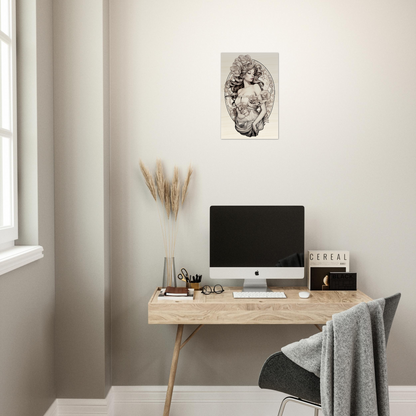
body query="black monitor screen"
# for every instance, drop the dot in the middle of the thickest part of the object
(257, 236)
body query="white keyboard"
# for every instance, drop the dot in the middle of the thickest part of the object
(259, 295)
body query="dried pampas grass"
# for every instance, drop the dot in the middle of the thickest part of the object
(174, 193)
(169, 194)
(160, 180)
(186, 183)
(170, 198)
(166, 197)
(148, 179)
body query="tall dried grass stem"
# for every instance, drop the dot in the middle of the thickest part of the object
(175, 195)
(160, 180)
(167, 197)
(186, 183)
(148, 179)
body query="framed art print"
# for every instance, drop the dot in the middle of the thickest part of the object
(249, 96)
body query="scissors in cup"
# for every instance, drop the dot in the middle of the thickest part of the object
(184, 275)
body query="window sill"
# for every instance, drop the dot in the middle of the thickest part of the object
(18, 256)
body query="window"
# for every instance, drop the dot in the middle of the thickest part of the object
(11, 256)
(8, 146)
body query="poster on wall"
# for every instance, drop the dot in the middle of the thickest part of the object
(249, 96)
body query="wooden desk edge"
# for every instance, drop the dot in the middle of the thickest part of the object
(152, 298)
(268, 311)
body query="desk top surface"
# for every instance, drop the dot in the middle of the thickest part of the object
(218, 309)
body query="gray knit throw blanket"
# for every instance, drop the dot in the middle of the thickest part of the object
(349, 356)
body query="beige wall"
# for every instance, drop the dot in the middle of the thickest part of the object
(27, 295)
(82, 199)
(60, 349)
(346, 151)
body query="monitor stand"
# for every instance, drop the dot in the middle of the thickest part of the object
(255, 285)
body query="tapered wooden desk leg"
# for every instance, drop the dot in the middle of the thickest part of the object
(173, 368)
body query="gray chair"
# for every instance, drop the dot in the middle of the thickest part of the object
(281, 374)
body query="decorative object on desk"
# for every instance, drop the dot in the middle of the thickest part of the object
(170, 198)
(322, 262)
(342, 281)
(169, 270)
(188, 296)
(325, 285)
(194, 282)
(217, 289)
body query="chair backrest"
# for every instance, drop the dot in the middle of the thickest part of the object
(389, 312)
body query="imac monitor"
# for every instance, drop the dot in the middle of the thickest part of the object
(256, 243)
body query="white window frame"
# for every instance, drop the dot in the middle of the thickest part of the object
(9, 232)
(11, 256)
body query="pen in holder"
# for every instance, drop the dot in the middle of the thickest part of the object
(192, 282)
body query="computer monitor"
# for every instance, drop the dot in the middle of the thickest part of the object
(256, 242)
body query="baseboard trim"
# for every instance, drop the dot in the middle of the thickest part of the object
(203, 400)
(198, 394)
(83, 407)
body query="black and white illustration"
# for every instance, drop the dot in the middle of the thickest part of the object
(249, 96)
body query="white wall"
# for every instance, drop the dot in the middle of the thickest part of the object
(346, 151)
(27, 294)
(82, 340)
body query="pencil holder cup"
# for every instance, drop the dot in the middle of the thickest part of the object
(195, 286)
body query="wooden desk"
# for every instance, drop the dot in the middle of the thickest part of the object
(223, 309)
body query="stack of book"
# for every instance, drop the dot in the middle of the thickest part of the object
(176, 293)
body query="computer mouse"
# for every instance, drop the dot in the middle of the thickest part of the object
(304, 295)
